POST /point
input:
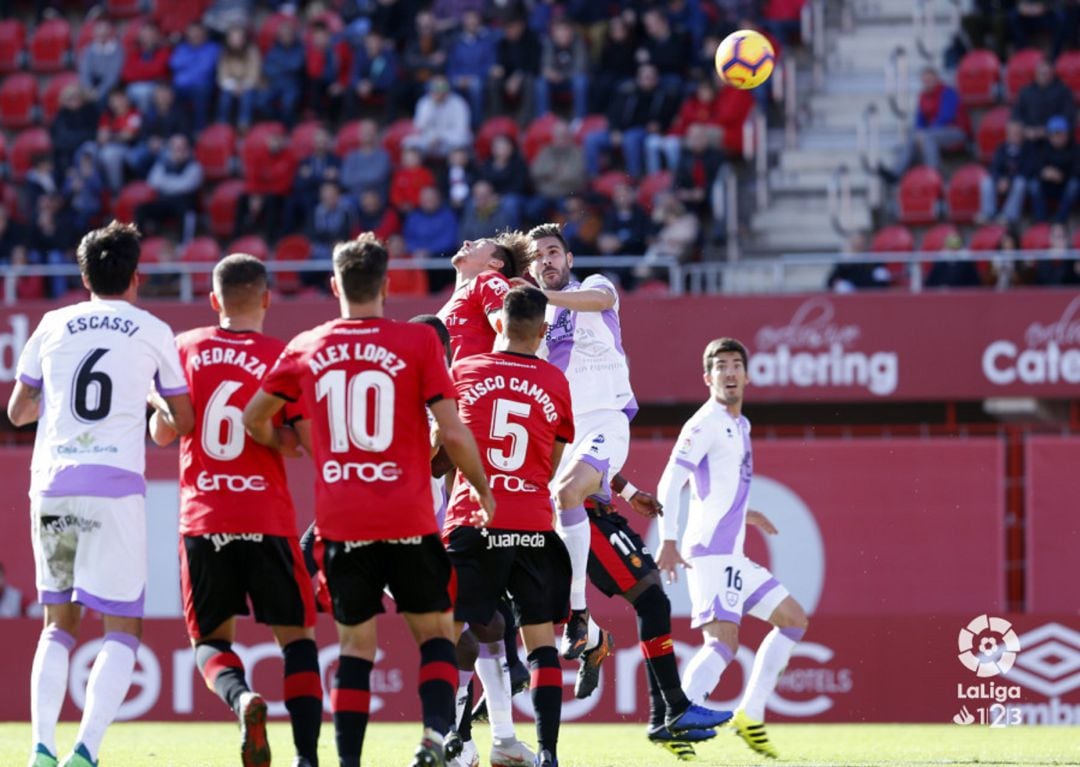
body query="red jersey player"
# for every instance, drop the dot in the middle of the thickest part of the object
(365, 381)
(518, 408)
(484, 269)
(237, 521)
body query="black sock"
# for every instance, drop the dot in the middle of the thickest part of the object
(350, 699)
(303, 696)
(438, 683)
(654, 629)
(222, 670)
(464, 726)
(510, 634)
(547, 683)
(657, 705)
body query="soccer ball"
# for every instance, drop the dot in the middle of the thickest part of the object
(745, 59)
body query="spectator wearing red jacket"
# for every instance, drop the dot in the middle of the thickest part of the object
(268, 179)
(408, 180)
(721, 113)
(376, 216)
(940, 123)
(146, 63)
(118, 132)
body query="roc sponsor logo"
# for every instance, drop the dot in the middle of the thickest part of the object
(234, 483)
(333, 471)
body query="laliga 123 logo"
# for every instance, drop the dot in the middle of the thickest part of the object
(988, 646)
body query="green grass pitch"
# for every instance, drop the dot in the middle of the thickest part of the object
(143, 744)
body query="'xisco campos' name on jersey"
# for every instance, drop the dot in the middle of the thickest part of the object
(492, 384)
(363, 352)
(215, 355)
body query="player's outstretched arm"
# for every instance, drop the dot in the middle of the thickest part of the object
(645, 504)
(672, 481)
(461, 447)
(173, 415)
(24, 406)
(760, 521)
(259, 419)
(582, 300)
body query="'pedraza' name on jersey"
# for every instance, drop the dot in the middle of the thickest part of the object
(216, 355)
(360, 352)
(492, 384)
(103, 322)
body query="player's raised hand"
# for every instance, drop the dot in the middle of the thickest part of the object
(483, 516)
(288, 442)
(646, 504)
(760, 521)
(669, 559)
(524, 281)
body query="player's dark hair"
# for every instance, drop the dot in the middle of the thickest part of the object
(515, 251)
(440, 330)
(721, 345)
(239, 278)
(360, 266)
(523, 309)
(108, 258)
(548, 230)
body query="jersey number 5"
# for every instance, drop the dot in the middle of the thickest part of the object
(501, 428)
(360, 411)
(90, 384)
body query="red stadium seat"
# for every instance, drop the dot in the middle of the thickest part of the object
(1067, 68)
(3, 148)
(130, 34)
(408, 282)
(538, 135)
(84, 37)
(50, 46)
(936, 237)
(175, 16)
(12, 45)
(302, 138)
(27, 145)
(652, 185)
(589, 124)
(1020, 70)
(222, 205)
(131, 197)
(395, 133)
(295, 247)
(255, 140)
(977, 78)
(495, 126)
(1036, 237)
(215, 149)
(201, 250)
(991, 132)
(893, 239)
(987, 237)
(50, 97)
(605, 183)
(253, 245)
(123, 9)
(962, 195)
(920, 195)
(348, 138)
(153, 250)
(18, 97)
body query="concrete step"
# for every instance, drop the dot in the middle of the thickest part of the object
(897, 10)
(781, 241)
(804, 216)
(748, 277)
(814, 159)
(816, 182)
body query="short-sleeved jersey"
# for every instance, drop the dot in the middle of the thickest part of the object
(715, 448)
(364, 384)
(587, 347)
(96, 361)
(516, 407)
(466, 314)
(228, 482)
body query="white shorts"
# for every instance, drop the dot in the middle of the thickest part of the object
(602, 440)
(91, 551)
(726, 587)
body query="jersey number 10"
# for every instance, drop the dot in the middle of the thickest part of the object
(360, 410)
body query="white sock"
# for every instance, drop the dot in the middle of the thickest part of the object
(769, 663)
(574, 530)
(594, 635)
(464, 677)
(705, 669)
(493, 672)
(48, 684)
(106, 689)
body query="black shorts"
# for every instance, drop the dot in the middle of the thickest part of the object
(219, 572)
(533, 567)
(618, 559)
(415, 570)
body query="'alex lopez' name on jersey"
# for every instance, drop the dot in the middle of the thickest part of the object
(216, 355)
(359, 351)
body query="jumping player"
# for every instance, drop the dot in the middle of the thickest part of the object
(85, 375)
(237, 520)
(714, 449)
(365, 381)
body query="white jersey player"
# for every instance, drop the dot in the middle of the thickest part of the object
(713, 453)
(584, 340)
(85, 375)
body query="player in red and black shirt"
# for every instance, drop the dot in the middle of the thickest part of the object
(518, 408)
(237, 522)
(484, 270)
(364, 381)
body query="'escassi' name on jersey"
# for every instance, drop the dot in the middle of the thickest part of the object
(359, 352)
(216, 355)
(492, 384)
(102, 322)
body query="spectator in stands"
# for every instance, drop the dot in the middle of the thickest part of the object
(666, 50)
(469, 60)
(696, 172)
(441, 121)
(1056, 172)
(953, 267)
(332, 220)
(165, 118)
(626, 226)
(75, 123)
(853, 272)
(564, 68)
(485, 214)
(118, 130)
(373, 81)
(582, 227)
(783, 19)
(321, 167)
(557, 171)
(423, 59)
(517, 63)
(323, 70)
(451, 13)
(392, 20)
(38, 183)
(616, 66)
(376, 216)
(52, 238)
(1030, 19)
(13, 604)
(239, 69)
(176, 177)
(1011, 166)
(940, 123)
(266, 187)
(12, 238)
(101, 62)
(638, 111)
(1059, 270)
(677, 230)
(147, 63)
(83, 189)
(458, 177)
(1042, 99)
(368, 166)
(283, 75)
(508, 175)
(721, 113)
(194, 66)
(431, 229)
(409, 179)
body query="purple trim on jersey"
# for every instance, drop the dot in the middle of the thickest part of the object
(793, 633)
(602, 466)
(485, 650)
(702, 479)
(715, 612)
(118, 607)
(559, 349)
(128, 640)
(32, 382)
(572, 516)
(720, 649)
(182, 389)
(759, 593)
(723, 537)
(94, 480)
(47, 597)
(611, 319)
(630, 409)
(58, 635)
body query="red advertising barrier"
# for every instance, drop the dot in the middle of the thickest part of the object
(1052, 524)
(847, 669)
(892, 346)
